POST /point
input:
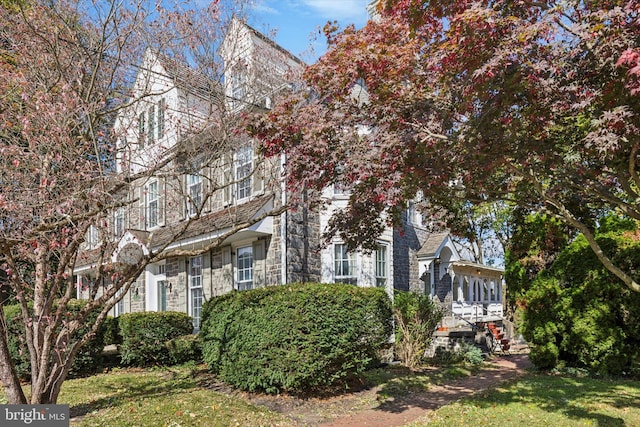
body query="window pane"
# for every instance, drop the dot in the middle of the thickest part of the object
(195, 291)
(245, 268)
(196, 307)
(381, 266)
(152, 204)
(345, 265)
(194, 188)
(244, 167)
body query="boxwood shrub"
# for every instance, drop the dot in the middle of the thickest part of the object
(185, 348)
(144, 336)
(294, 338)
(88, 359)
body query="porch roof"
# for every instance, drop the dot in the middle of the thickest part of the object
(214, 222)
(432, 245)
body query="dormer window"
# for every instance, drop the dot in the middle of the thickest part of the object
(238, 86)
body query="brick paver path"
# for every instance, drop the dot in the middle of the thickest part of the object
(401, 411)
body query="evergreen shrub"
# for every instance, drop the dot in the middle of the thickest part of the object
(144, 336)
(185, 348)
(295, 338)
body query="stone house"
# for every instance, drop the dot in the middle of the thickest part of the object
(205, 200)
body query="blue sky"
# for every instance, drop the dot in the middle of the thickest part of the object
(294, 21)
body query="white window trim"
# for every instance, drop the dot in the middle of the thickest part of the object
(244, 157)
(193, 180)
(192, 288)
(244, 284)
(352, 262)
(386, 264)
(147, 204)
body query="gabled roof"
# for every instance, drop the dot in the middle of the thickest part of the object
(264, 38)
(188, 79)
(433, 243)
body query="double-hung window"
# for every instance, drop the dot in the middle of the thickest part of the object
(345, 265)
(196, 295)
(118, 222)
(92, 238)
(381, 266)
(194, 192)
(245, 268)
(244, 169)
(152, 204)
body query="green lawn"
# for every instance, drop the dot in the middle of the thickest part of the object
(157, 398)
(175, 397)
(546, 400)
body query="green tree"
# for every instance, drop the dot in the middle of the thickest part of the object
(574, 310)
(534, 103)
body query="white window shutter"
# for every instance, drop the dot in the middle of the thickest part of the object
(162, 202)
(227, 179)
(142, 207)
(206, 189)
(258, 174)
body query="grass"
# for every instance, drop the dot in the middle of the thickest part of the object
(167, 397)
(175, 397)
(546, 400)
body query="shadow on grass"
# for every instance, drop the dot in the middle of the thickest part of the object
(568, 396)
(131, 387)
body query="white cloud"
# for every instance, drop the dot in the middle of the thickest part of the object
(338, 9)
(262, 7)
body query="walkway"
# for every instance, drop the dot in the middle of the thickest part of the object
(401, 411)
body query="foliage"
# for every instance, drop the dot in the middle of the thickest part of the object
(472, 355)
(68, 79)
(456, 102)
(111, 331)
(144, 336)
(574, 310)
(88, 360)
(416, 318)
(294, 338)
(185, 348)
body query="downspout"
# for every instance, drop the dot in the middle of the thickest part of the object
(283, 222)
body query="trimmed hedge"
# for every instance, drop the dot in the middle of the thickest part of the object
(294, 338)
(185, 348)
(144, 336)
(88, 359)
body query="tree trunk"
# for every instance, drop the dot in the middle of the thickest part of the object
(8, 374)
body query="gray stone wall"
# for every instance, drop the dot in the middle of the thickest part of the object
(303, 246)
(407, 241)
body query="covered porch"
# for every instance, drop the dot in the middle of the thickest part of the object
(467, 291)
